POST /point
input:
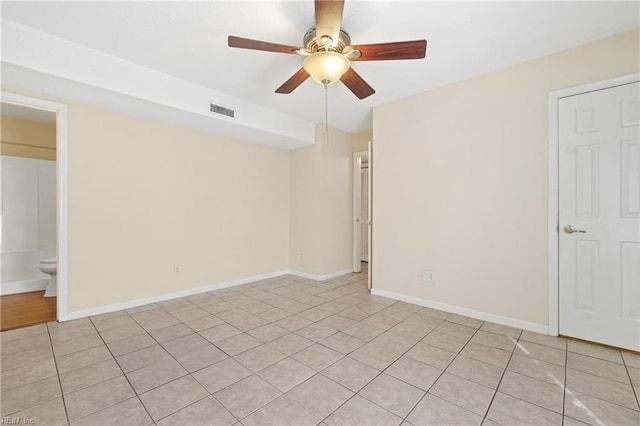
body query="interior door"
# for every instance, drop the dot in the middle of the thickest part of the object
(599, 216)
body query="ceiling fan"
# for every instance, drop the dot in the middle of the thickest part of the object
(328, 52)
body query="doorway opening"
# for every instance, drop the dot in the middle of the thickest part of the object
(362, 213)
(33, 288)
(28, 166)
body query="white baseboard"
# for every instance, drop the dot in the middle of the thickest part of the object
(321, 277)
(24, 286)
(189, 292)
(169, 296)
(484, 316)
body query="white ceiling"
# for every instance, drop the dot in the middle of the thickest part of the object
(188, 40)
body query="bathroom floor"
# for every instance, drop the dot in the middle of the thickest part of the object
(23, 309)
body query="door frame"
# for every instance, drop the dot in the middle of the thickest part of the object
(357, 199)
(553, 188)
(62, 150)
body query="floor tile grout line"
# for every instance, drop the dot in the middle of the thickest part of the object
(189, 373)
(504, 371)
(563, 386)
(291, 357)
(268, 321)
(123, 374)
(328, 366)
(282, 395)
(22, 366)
(318, 372)
(585, 355)
(603, 378)
(256, 373)
(605, 400)
(170, 354)
(190, 404)
(633, 388)
(55, 361)
(564, 382)
(354, 393)
(386, 368)
(211, 394)
(213, 343)
(443, 371)
(599, 375)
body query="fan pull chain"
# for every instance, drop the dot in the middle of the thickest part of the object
(326, 110)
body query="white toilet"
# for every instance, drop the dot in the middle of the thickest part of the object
(50, 266)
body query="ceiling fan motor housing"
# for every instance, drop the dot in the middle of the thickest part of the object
(314, 44)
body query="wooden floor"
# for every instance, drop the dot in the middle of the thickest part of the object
(21, 310)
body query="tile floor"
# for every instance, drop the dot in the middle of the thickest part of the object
(290, 351)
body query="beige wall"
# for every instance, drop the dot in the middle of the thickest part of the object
(145, 197)
(361, 140)
(336, 201)
(306, 165)
(461, 182)
(321, 204)
(25, 138)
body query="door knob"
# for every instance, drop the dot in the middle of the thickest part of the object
(570, 230)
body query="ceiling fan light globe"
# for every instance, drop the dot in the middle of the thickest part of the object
(326, 66)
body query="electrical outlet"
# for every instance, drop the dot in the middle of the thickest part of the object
(176, 269)
(301, 255)
(426, 276)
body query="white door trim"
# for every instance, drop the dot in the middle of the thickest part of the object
(357, 190)
(370, 215)
(553, 190)
(61, 182)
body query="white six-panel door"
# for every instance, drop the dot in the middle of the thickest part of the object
(599, 216)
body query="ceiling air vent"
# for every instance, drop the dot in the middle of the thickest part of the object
(219, 109)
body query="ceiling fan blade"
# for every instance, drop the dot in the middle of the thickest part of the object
(356, 84)
(245, 43)
(296, 80)
(416, 49)
(329, 18)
